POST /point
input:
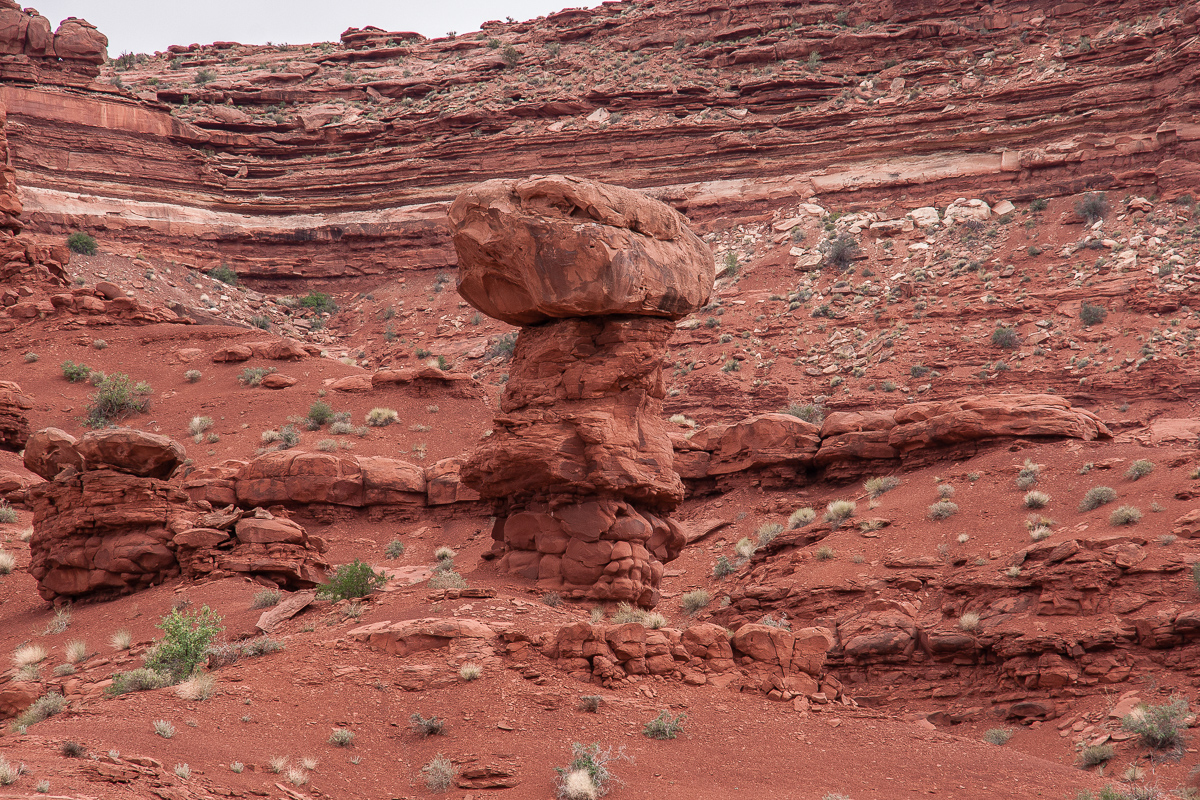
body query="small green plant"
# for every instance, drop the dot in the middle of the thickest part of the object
(1139, 469)
(1006, 338)
(1095, 755)
(253, 376)
(319, 302)
(394, 549)
(1091, 314)
(724, 568)
(163, 728)
(341, 737)
(30, 357)
(1092, 206)
(43, 708)
(693, 601)
(841, 251)
(1125, 515)
(115, 398)
(801, 517)
(76, 373)
(266, 598)
(588, 775)
(439, 773)
(876, 487)
(1160, 727)
(319, 413)
(186, 637)
(809, 412)
(1036, 499)
(382, 417)
(943, 509)
(998, 736)
(427, 726)
(81, 243)
(351, 581)
(664, 726)
(224, 274)
(1096, 497)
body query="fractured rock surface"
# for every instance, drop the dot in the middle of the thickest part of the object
(580, 464)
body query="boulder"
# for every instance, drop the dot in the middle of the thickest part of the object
(135, 452)
(50, 451)
(78, 40)
(416, 635)
(552, 247)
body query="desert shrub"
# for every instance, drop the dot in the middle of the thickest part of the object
(8, 561)
(590, 703)
(1092, 206)
(192, 376)
(253, 376)
(1096, 497)
(839, 511)
(745, 547)
(998, 735)
(99, 344)
(10, 773)
(261, 322)
(552, 599)
(825, 553)
(945, 491)
(427, 726)
(259, 646)
(841, 251)
(82, 243)
(470, 672)
(664, 726)
(1036, 499)
(1159, 727)
(341, 737)
(381, 417)
(8, 514)
(266, 598)
(121, 640)
(76, 373)
(943, 509)
(43, 708)
(968, 621)
(116, 397)
(801, 517)
(1091, 314)
(876, 487)
(327, 445)
(1139, 469)
(809, 412)
(30, 357)
(72, 749)
(1029, 474)
(1006, 338)
(439, 773)
(767, 533)
(1125, 515)
(196, 688)
(319, 302)
(224, 274)
(199, 425)
(351, 581)
(394, 549)
(724, 568)
(1096, 754)
(503, 346)
(319, 413)
(447, 580)
(186, 637)
(694, 600)
(587, 776)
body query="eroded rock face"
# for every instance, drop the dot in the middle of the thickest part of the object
(553, 247)
(106, 522)
(14, 427)
(580, 465)
(27, 38)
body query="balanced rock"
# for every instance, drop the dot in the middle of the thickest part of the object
(50, 451)
(552, 247)
(135, 452)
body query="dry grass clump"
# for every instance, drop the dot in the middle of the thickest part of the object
(1125, 515)
(266, 598)
(801, 517)
(694, 600)
(1036, 499)
(163, 728)
(1139, 469)
(121, 640)
(198, 687)
(1096, 755)
(28, 654)
(341, 737)
(943, 509)
(439, 773)
(968, 621)
(998, 736)
(839, 511)
(470, 672)
(1029, 474)
(8, 562)
(382, 417)
(427, 726)
(877, 487)
(1096, 497)
(76, 651)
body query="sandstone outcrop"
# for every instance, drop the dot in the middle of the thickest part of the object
(108, 521)
(28, 46)
(14, 425)
(580, 463)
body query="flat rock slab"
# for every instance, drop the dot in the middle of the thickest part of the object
(289, 607)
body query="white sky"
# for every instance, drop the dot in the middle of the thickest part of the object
(143, 26)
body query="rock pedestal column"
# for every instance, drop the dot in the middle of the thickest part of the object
(580, 464)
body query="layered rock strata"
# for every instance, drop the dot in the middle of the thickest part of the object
(109, 521)
(580, 463)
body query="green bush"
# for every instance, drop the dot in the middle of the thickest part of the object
(186, 637)
(76, 373)
(1159, 727)
(319, 301)
(394, 549)
(664, 726)
(1096, 497)
(82, 243)
(142, 679)
(319, 413)
(1006, 338)
(352, 580)
(724, 568)
(1092, 206)
(1091, 314)
(841, 251)
(224, 274)
(1139, 469)
(116, 397)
